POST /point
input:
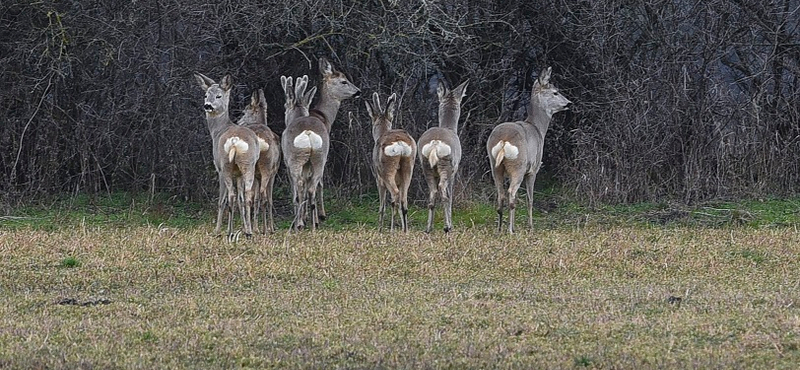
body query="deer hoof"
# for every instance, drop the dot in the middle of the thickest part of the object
(447, 229)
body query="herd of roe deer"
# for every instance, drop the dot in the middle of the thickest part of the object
(247, 154)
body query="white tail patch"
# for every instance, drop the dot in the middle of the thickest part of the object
(397, 148)
(263, 146)
(434, 150)
(503, 149)
(308, 140)
(235, 145)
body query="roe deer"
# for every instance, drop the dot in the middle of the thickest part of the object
(306, 140)
(297, 104)
(269, 159)
(515, 148)
(235, 150)
(392, 159)
(440, 153)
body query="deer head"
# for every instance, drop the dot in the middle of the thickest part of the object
(256, 111)
(381, 119)
(337, 86)
(450, 104)
(217, 95)
(546, 96)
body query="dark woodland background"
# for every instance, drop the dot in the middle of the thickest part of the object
(685, 100)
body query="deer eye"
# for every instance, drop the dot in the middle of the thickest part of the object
(344, 82)
(219, 96)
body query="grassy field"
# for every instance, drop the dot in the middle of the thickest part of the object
(137, 286)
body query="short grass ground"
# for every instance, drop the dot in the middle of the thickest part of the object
(140, 284)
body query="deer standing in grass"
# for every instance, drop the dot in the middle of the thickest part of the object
(306, 140)
(269, 159)
(515, 148)
(297, 104)
(392, 159)
(440, 153)
(235, 150)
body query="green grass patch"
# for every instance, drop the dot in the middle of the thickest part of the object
(551, 211)
(119, 210)
(70, 262)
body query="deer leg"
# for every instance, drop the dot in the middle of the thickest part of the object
(248, 203)
(513, 187)
(263, 185)
(298, 190)
(221, 205)
(448, 208)
(529, 181)
(394, 192)
(270, 186)
(382, 204)
(498, 176)
(316, 181)
(321, 212)
(432, 189)
(231, 192)
(405, 182)
(256, 208)
(241, 202)
(445, 190)
(312, 204)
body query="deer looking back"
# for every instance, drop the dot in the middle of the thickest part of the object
(440, 153)
(515, 148)
(235, 150)
(306, 140)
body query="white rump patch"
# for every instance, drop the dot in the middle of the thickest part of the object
(502, 150)
(263, 146)
(397, 148)
(308, 140)
(442, 149)
(233, 146)
(434, 150)
(510, 151)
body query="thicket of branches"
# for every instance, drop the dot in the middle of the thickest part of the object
(677, 99)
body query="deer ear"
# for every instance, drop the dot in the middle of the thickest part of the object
(284, 79)
(460, 91)
(262, 99)
(309, 96)
(300, 87)
(288, 90)
(254, 98)
(227, 83)
(391, 105)
(369, 110)
(203, 81)
(441, 90)
(544, 77)
(325, 67)
(376, 103)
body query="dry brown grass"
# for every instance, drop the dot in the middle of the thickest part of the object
(590, 297)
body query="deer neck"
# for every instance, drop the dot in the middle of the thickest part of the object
(538, 117)
(217, 124)
(379, 129)
(448, 117)
(328, 107)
